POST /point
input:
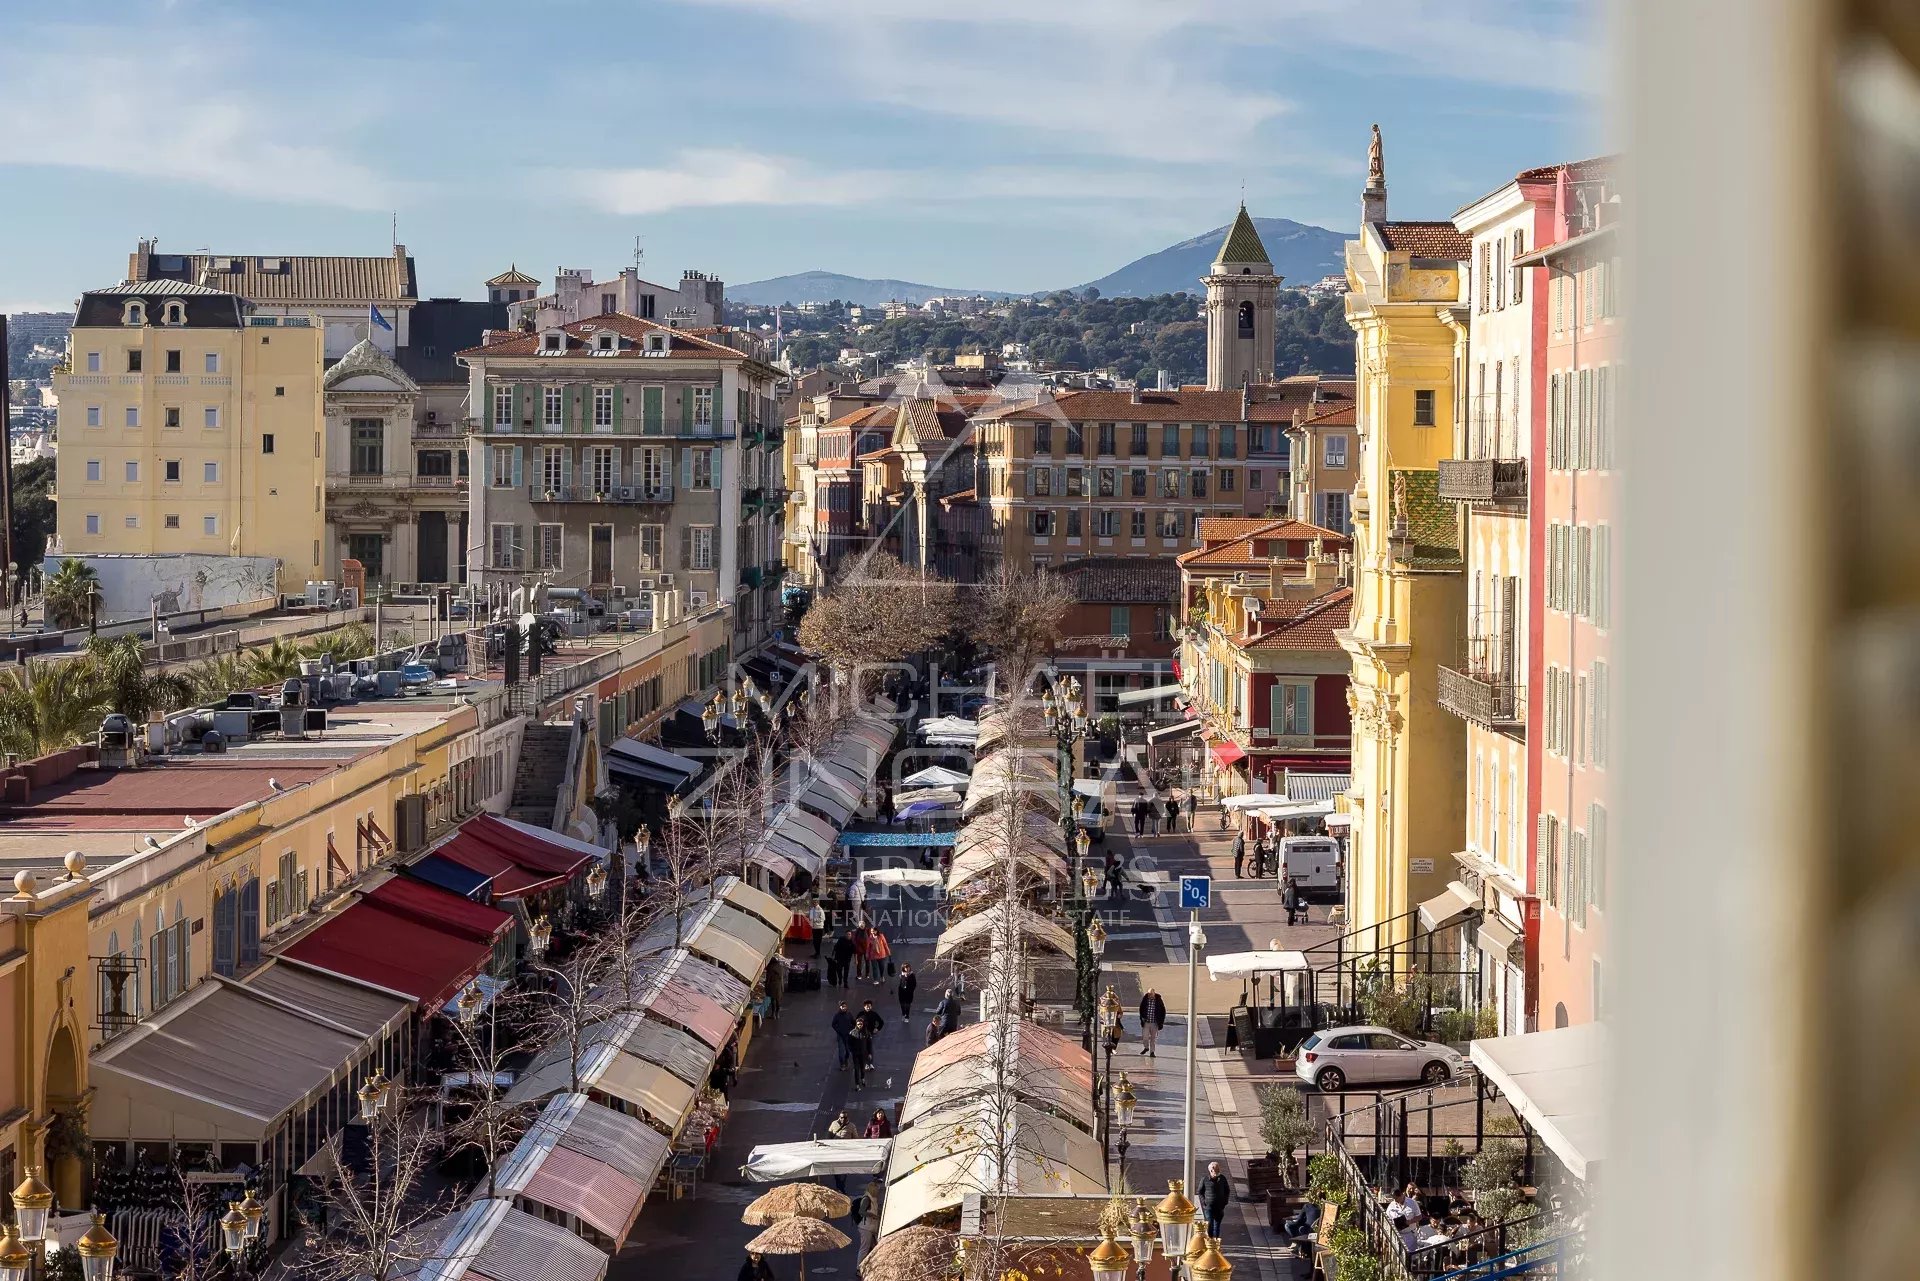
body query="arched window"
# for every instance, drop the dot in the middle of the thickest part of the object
(175, 313)
(135, 313)
(1246, 320)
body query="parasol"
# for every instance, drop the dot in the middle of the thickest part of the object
(799, 1235)
(796, 1199)
(917, 1253)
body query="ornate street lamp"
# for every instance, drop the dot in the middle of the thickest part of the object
(1089, 882)
(1097, 940)
(1144, 1232)
(1127, 1100)
(597, 882)
(369, 1095)
(1210, 1266)
(470, 1004)
(1175, 1215)
(1109, 1260)
(233, 1229)
(32, 1202)
(1083, 846)
(256, 1211)
(15, 1258)
(1196, 1249)
(539, 935)
(98, 1250)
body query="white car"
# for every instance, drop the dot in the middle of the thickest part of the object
(1337, 1057)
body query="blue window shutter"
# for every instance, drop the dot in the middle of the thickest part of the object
(250, 922)
(518, 450)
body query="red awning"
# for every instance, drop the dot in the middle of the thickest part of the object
(693, 1010)
(519, 862)
(409, 937)
(1226, 752)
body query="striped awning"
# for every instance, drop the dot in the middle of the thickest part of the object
(1135, 697)
(586, 1161)
(490, 1240)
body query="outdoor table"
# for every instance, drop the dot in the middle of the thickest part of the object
(682, 1169)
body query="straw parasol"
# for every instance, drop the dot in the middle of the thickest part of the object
(918, 1253)
(799, 1235)
(797, 1199)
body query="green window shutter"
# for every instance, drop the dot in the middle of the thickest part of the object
(519, 405)
(566, 468)
(686, 469)
(653, 410)
(619, 403)
(686, 409)
(517, 451)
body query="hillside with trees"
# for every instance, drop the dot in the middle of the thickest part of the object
(1135, 337)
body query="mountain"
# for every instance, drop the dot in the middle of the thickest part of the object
(1301, 254)
(825, 286)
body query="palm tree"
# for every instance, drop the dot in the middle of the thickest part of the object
(130, 688)
(71, 595)
(355, 640)
(219, 676)
(46, 706)
(274, 661)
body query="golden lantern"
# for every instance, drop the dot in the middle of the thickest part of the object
(15, 1258)
(256, 1212)
(32, 1202)
(1175, 1214)
(1109, 1260)
(97, 1249)
(1210, 1265)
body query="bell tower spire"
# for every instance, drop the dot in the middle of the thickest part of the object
(1241, 289)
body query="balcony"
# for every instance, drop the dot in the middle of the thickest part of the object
(617, 495)
(383, 481)
(1485, 698)
(1484, 480)
(434, 429)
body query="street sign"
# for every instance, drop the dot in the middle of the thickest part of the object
(1195, 892)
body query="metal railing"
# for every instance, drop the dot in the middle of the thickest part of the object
(1483, 480)
(1487, 698)
(628, 495)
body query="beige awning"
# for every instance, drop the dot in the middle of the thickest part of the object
(1031, 1079)
(649, 1087)
(741, 943)
(982, 1148)
(982, 859)
(777, 915)
(1496, 936)
(1447, 907)
(978, 931)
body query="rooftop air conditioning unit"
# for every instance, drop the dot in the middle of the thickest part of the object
(666, 582)
(627, 493)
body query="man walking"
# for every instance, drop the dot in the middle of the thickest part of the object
(908, 982)
(1290, 894)
(817, 922)
(949, 1012)
(1173, 816)
(866, 1026)
(1239, 855)
(1153, 1017)
(1139, 815)
(843, 1034)
(1216, 1191)
(842, 959)
(1193, 803)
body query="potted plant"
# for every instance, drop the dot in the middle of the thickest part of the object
(1285, 1127)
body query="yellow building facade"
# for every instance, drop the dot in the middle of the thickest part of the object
(45, 1007)
(189, 424)
(1405, 284)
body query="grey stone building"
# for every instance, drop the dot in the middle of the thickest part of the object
(632, 459)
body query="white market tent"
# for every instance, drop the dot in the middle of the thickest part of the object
(1244, 965)
(1553, 1081)
(812, 1158)
(935, 776)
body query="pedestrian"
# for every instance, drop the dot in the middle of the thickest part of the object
(1153, 818)
(842, 1128)
(1193, 803)
(755, 1269)
(1173, 816)
(1260, 851)
(843, 1033)
(1216, 1192)
(950, 1012)
(869, 1217)
(1289, 894)
(862, 940)
(1223, 818)
(879, 954)
(909, 981)
(1139, 816)
(1153, 1017)
(1115, 885)
(722, 1075)
(933, 1030)
(878, 1128)
(1239, 855)
(817, 921)
(866, 1026)
(842, 959)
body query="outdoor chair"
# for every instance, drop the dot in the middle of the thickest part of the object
(1322, 1244)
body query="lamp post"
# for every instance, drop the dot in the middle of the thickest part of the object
(468, 1010)
(1110, 1039)
(98, 1250)
(1210, 1266)
(1125, 1103)
(32, 1203)
(1145, 1232)
(15, 1259)
(539, 935)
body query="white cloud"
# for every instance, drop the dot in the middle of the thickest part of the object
(173, 112)
(707, 178)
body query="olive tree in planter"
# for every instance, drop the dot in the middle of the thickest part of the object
(1285, 1127)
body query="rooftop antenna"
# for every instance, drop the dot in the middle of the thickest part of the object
(396, 230)
(638, 254)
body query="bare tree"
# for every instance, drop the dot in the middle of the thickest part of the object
(489, 1125)
(378, 1220)
(878, 611)
(573, 1000)
(1015, 614)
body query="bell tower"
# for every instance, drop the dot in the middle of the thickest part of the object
(1241, 289)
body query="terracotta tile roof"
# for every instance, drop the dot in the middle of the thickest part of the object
(513, 276)
(1583, 170)
(580, 340)
(886, 451)
(1119, 580)
(865, 416)
(1231, 542)
(1427, 240)
(1310, 626)
(964, 496)
(274, 278)
(1119, 406)
(1339, 416)
(930, 422)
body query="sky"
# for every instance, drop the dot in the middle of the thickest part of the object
(1014, 145)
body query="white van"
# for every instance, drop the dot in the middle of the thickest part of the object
(1314, 864)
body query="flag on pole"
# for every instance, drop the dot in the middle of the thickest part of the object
(377, 320)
